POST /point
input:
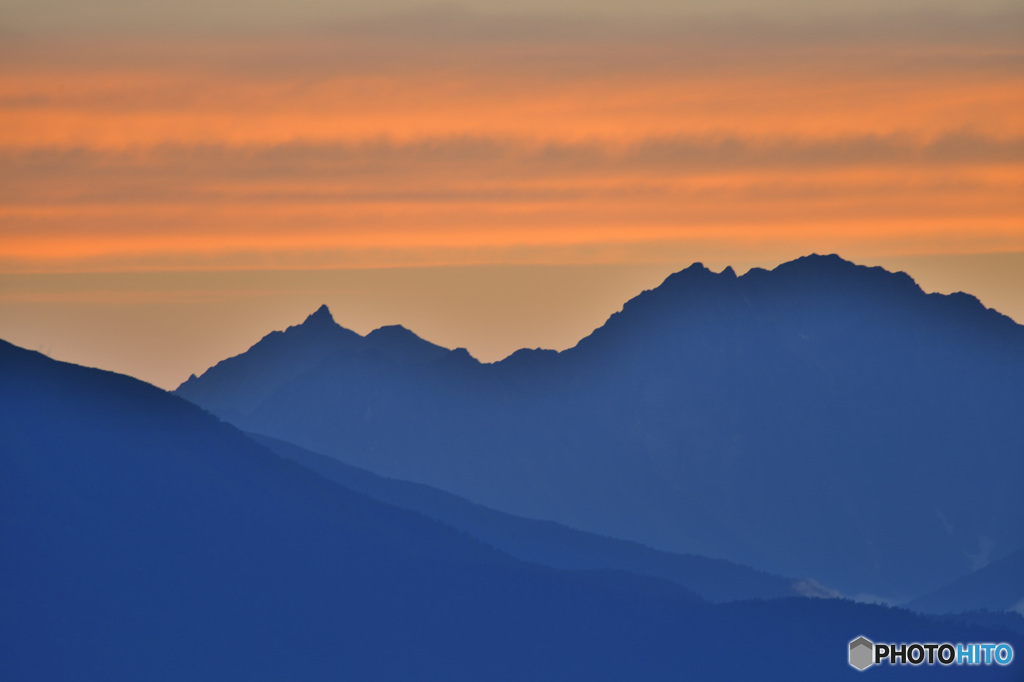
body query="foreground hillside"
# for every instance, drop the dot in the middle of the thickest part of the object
(143, 539)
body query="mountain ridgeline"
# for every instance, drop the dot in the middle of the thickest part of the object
(822, 420)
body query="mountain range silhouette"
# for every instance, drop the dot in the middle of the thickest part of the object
(821, 420)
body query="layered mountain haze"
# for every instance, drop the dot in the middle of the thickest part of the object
(551, 544)
(144, 539)
(822, 420)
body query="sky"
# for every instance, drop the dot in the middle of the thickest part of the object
(178, 179)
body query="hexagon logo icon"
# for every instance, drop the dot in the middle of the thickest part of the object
(862, 653)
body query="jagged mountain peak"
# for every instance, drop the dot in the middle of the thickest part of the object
(693, 276)
(816, 272)
(828, 279)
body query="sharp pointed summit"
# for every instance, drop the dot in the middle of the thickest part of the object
(243, 382)
(322, 316)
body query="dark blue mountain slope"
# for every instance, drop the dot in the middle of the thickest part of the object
(144, 540)
(823, 420)
(548, 543)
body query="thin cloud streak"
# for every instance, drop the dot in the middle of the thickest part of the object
(237, 95)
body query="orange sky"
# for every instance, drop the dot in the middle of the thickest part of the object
(281, 154)
(274, 153)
